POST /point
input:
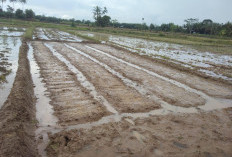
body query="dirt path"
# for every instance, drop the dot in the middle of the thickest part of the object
(17, 116)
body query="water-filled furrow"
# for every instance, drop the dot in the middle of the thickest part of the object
(211, 103)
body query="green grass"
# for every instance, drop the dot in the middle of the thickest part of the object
(2, 78)
(29, 33)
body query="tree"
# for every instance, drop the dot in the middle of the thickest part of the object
(2, 3)
(73, 24)
(101, 20)
(29, 14)
(114, 22)
(152, 27)
(19, 14)
(207, 26)
(190, 23)
(105, 21)
(228, 29)
(97, 13)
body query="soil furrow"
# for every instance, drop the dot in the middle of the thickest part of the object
(210, 87)
(124, 98)
(168, 92)
(17, 116)
(62, 98)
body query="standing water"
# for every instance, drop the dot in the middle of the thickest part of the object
(9, 53)
(44, 111)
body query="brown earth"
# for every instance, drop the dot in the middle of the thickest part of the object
(143, 125)
(122, 97)
(202, 134)
(72, 103)
(163, 89)
(17, 116)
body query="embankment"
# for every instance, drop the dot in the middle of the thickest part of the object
(17, 116)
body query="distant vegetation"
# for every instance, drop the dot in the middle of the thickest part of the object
(99, 16)
(191, 26)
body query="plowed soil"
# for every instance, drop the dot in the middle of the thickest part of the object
(108, 101)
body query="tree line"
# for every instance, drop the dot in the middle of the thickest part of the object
(191, 26)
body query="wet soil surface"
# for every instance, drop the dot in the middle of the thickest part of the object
(72, 103)
(144, 108)
(208, 86)
(17, 115)
(202, 134)
(9, 51)
(100, 100)
(214, 65)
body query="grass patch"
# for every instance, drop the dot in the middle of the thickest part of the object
(28, 35)
(2, 78)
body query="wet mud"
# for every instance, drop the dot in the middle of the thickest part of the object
(72, 103)
(208, 86)
(122, 97)
(9, 52)
(155, 86)
(202, 134)
(17, 115)
(76, 98)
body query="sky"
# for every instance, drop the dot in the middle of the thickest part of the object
(132, 11)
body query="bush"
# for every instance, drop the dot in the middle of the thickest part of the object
(29, 14)
(19, 14)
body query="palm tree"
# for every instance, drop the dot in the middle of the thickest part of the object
(2, 3)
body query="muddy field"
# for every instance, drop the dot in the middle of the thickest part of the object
(94, 99)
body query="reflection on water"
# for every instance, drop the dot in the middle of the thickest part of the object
(9, 50)
(178, 54)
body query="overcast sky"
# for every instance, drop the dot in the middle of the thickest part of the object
(132, 11)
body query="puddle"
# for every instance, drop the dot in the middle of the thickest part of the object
(50, 34)
(18, 29)
(12, 31)
(178, 54)
(83, 80)
(223, 103)
(213, 74)
(41, 35)
(211, 104)
(44, 111)
(68, 37)
(131, 83)
(11, 34)
(9, 46)
(173, 51)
